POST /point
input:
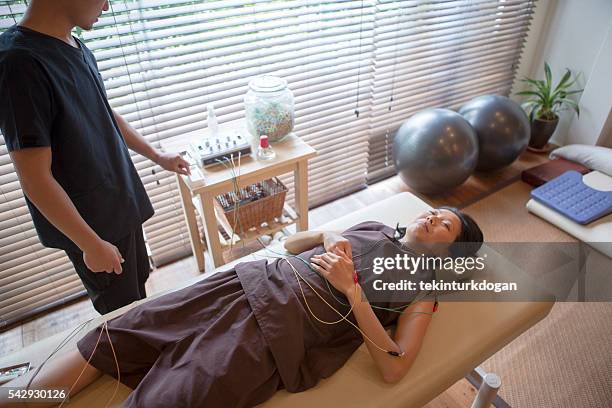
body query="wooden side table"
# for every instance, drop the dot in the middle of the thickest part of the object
(199, 190)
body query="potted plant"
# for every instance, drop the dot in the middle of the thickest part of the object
(544, 102)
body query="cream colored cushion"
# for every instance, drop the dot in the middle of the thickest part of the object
(597, 234)
(460, 337)
(593, 157)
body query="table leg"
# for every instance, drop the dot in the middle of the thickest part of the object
(300, 175)
(190, 218)
(211, 229)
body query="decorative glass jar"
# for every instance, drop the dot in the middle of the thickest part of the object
(269, 108)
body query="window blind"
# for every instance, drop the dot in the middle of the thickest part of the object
(438, 54)
(170, 67)
(357, 69)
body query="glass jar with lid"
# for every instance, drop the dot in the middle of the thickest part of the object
(269, 108)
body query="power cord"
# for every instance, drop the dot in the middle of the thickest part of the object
(232, 168)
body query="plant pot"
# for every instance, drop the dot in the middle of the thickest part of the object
(541, 131)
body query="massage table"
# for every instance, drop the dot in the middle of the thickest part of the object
(460, 337)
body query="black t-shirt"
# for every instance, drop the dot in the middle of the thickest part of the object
(51, 94)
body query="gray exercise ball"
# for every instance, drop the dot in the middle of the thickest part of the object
(502, 128)
(435, 150)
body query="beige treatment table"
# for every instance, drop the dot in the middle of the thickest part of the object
(460, 337)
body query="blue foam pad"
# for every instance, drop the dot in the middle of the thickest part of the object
(568, 195)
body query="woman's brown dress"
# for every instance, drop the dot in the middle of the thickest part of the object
(234, 339)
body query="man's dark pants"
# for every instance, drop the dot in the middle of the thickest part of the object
(109, 291)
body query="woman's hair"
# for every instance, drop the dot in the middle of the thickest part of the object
(470, 239)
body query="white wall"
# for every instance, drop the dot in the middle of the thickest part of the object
(595, 103)
(574, 34)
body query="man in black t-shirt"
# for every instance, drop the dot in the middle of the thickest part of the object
(70, 151)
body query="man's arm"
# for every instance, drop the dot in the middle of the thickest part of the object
(169, 161)
(33, 166)
(134, 140)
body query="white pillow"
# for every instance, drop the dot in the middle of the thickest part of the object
(593, 157)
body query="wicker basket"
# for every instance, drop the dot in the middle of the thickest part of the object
(251, 212)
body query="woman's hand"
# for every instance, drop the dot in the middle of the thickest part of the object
(334, 242)
(337, 268)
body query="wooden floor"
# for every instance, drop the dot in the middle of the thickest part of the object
(170, 276)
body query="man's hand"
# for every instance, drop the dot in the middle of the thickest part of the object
(333, 242)
(337, 268)
(173, 162)
(169, 161)
(103, 257)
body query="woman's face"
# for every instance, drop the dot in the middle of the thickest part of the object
(434, 227)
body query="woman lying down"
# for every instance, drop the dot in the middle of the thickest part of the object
(234, 339)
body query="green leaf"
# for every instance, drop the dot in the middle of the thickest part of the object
(562, 83)
(568, 102)
(571, 104)
(533, 102)
(574, 92)
(573, 81)
(560, 94)
(545, 91)
(548, 74)
(531, 93)
(534, 82)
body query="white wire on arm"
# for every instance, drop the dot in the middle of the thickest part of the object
(103, 329)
